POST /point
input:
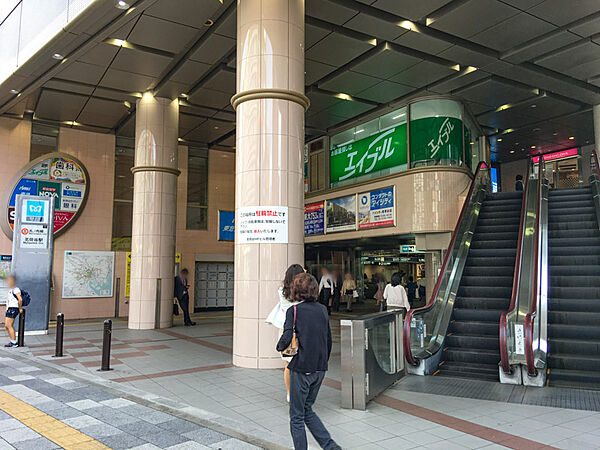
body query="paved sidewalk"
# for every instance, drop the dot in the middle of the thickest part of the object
(40, 409)
(192, 366)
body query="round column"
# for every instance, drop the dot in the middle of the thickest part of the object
(597, 127)
(154, 213)
(270, 105)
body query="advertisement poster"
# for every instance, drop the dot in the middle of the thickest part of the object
(314, 219)
(61, 178)
(369, 155)
(226, 226)
(376, 209)
(262, 225)
(435, 138)
(341, 214)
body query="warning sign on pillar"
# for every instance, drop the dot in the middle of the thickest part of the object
(262, 225)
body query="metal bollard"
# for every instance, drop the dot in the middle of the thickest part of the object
(21, 336)
(60, 330)
(106, 345)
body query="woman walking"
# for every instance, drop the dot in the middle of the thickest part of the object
(348, 290)
(309, 321)
(395, 295)
(277, 315)
(14, 306)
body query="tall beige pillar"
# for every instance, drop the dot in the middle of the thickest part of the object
(154, 213)
(270, 105)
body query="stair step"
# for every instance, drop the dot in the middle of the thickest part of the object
(497, 236)
(578, 202)
(474, 368)
(574, 270)
(582, 233)
(488, 342)
(558, 192)
(479, 328)
(512, 221)
(574, 216)
(574, 292)
(578, 225)
(503, 196)
(469, 355)
(486, 291)
(572, 260)
(573, 242)
(488, 281)
(478, 270)
(573, 362)
(492, 253)
(494, 245)
(482, 303)
(583, 332)
(574, 280)
(567, 346)
(574, 379)
(573, 318)
(574, 251)
(574, 304)
(500, 261)
(509, 228)
(478, 315)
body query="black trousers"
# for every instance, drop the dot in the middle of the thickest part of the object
(184, 304)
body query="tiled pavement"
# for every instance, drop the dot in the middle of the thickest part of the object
(192, 366)
(90, 417)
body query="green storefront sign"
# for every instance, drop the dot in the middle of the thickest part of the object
(436, 138)
(369, 155)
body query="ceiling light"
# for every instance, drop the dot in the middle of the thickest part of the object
(554, 134)
(121, 4)
(511, 152)
(182, 95)
(58, 56)
(407, 24)
(343, 96)
(359, 131)
(119, 42)
(14, 91)
(534, 106)
(209, 23)
(571, 137)
(179, 140)
(398, 116)
(216, 127)
(499, 139)
(533, 146)
(127, 104)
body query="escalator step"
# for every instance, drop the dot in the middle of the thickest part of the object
(486, 291)
(498, 207)
(570, 191)
(500, 261)
(560, 331)
(489, 369)
(574, 280)
(470, 355)
(573, 242)
(574, 292)
(581, 233)
(584, 202)
(574, 216)
(493, 245)
(574, 304)
(492, 253)
(574, 260)
(575, 270)
(488, 281)
(577, 225)
(482, 303)
(573, 362)
(574, 379)
(480, 328)
(473, 341)
(478, 315)
(514, 221)
(501, 215)
(574, 318)
(510, 228)
(565, 251)
(503, 196)
(482, 236)
(576, 346)
(476, 270)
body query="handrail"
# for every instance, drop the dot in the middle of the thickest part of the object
(596, 163)
(529, 318)
(516, 281)
(406, 342)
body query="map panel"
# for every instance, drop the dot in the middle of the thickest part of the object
(88, 274)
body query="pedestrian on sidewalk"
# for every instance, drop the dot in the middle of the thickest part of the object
(395, 296)
(309, 320)
(277, 315)
(182, 296)
(349, 292)
(14, 306)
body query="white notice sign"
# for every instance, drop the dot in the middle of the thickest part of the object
(262, 225)
(34, 236)
(519, 339)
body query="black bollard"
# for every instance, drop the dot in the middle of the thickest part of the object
(106, 345)
(21, 336)
(60, 330)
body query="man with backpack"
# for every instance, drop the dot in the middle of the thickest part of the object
(14, 306)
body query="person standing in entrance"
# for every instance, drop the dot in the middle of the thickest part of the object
(348, 291)
(411, 290)
(519, 183)
(310, 322)
(395, 295)
(326, 288)
(182, 296)
(277, 315)
(14, 306)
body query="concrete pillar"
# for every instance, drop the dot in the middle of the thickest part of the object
(597, 127)
(154, 212)
(270, 105)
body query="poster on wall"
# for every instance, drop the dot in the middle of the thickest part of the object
(436, 138)
(88, 274)
(5, 263)
(341, 214)
(314, 219)
(369, 155)
(262, 225)
(57, 176)
(226, 226)
(376, 208)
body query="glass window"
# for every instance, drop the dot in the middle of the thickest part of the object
(392, 119)
(44, 140)
(197, 189)
(123, 195)
(317, 171)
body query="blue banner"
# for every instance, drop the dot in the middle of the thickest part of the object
(25, 186)
(226, 225)
(314, 219)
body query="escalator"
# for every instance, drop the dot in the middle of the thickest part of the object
(574, 289)
(471, 346)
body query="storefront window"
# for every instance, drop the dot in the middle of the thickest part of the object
(197, 189)
(123, 194)
(44, 140)
(436, 133)
(316, 164)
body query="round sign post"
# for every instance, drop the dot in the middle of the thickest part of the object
(56, 175)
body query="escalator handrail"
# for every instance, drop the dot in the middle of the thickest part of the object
(436, 289)
(529, 318)
(596, 163)
(503, 331)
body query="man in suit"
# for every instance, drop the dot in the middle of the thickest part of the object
(182, 296)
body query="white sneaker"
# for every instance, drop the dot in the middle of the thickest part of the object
(288, 397)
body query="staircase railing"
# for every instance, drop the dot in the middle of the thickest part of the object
(512, 322)
(435, 316)
(595, 182)
(536, 320)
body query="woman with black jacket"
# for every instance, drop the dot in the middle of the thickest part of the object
(310, 321)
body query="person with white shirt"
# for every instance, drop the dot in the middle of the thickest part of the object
(14, 306)
(326, 288)
(395, 295)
